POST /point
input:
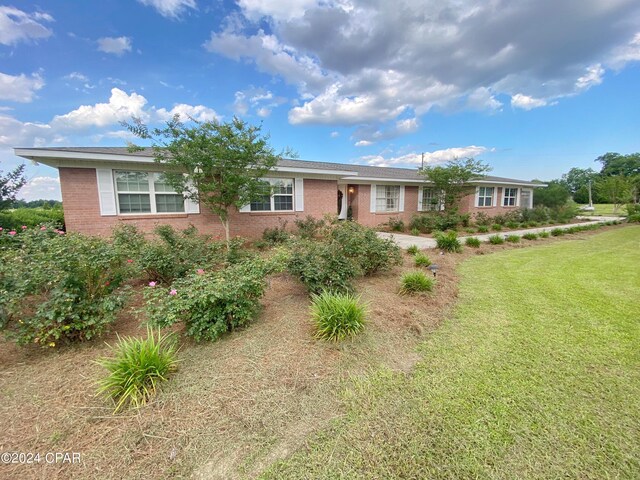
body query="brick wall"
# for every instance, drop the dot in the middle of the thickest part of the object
(468, 204)
(82, 210)
(361, 206)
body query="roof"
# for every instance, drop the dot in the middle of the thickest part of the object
(350, 171)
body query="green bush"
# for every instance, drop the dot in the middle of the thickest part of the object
(512, 238)
(322, 266)
(415, 282)
(137, 369)
(337, 315)
(31, 217)
(543, 234)
(448, 242)
(396, 224)
(470, 230)
(209, 303)
(415, 231)
(483, 229)
(412, 249)
(496, 227)
(425, 223)
(422, 260)
(57, 288)
(309, 227)
(276, 235)
(482, 219)
(633, 209)
(473, 242)
(496, 239)
(512, 225)
(557, 232)
(635, 218)
(530, 236)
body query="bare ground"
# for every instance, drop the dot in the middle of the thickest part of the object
(235, 405)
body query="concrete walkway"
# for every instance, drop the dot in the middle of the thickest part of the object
(405, 241)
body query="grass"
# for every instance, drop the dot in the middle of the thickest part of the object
(473, 242)
(422, 260)
(415, 282)
(448, 241)
(412, 249)
(605, 210)
(337, 316)
(496, 239)
(535, 375)
(513, 238)
(530, 236)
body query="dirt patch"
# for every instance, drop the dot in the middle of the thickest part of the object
(235, 405)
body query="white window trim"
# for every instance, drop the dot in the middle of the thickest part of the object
(400, 199)
(437, 207)
(516, 203)
(151, 192)
(493, 197)
(271, 181)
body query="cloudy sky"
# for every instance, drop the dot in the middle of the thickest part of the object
(532, 87)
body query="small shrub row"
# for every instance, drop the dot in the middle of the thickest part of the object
(448, 241)
(415, 282)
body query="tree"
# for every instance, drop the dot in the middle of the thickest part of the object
(617, 164)
(554, 195)
(220, 165)
(616, 189)
(10, 184)
(576, 178)
(453, 179)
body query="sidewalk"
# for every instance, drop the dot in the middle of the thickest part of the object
(405, 241)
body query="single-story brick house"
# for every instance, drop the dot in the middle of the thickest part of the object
(104, 186)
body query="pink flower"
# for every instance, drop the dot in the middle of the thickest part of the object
(43, 228)
(60, 232)
(173, 292)
(24, 227)
(200, 271)
(0, 229)
(107, 284)
(12, 232)
(152, 284)
(129, 260)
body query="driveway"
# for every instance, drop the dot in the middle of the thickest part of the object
(405, 241)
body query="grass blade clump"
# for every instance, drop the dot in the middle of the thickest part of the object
(422, 260)
(337, 315)
(496, 239)
(513, 238)
(473, 242)
(415, 282)
(448, 242)
(412, 249)
(137, 368)
(530, 236)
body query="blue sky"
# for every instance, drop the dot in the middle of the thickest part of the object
(532, 88)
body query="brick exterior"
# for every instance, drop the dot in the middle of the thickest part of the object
(82, 210)
(468, 204)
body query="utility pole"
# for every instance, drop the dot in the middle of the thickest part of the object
(590, 199)
(422, 168)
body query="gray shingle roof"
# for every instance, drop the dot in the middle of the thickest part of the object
(365, 171)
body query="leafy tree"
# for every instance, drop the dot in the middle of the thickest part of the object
(220, 165)
(616, 189)
(617, 164)
(554, 195)
(453, 179)
(576, 178)
(10, 184)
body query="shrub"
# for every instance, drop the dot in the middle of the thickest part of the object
(530, 236)
(513, 238)
(137, 368)
(496, 227)
(447, 221)
(464, 219)
(422, 260)
(557, 232)
(565, 213)
(633, 209)
(424, 222)
(472, 242)
(482, 219)
(470, 230)
(483, 229)
(415, 282)
(210, 303)
(308, 227)
(496, 239)
(337, 315)
(448, 242)
(412, 249)
(396, 224)
(635, 218)
(276, 234)
(57, 288)
(415, 231)
(512, 225)
(322, 266)
(543, 234)
(31, 217)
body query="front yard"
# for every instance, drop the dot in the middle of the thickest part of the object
(535, 373)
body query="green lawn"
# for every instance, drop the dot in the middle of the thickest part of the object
(606, 209)
(536, 375)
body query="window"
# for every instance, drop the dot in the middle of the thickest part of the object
(510, 197)
(146, 192)
(387, 198)
(485, 196)
(431, 201)
(277, 196)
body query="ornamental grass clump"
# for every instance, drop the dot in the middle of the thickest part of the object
(512, 238)
(543, 234)
(415, 282)
(137, 369)
(496, 239)
(412, 249)
(422, 260)
(448, 242)
(473, 242)
(337, 315)
(557, 232)
(530, 236)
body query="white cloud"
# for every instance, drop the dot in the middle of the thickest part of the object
(260, 100)
(114, 45)
(482, 99)
(20, 88)
(263, 112)
(526, 102)
(77, 76)
(278, 9)
(18, 26)
(121, 107)
(199, 113)
(363, 143)
(334, 134)
(367, 135)
(415, 159)
(16, 133)
(41, 188)
(626, 53)
(592, 77)
(170, 8)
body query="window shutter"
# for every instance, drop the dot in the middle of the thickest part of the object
(401, 206)
(246, 208)
(191, 206)
(299, 194)
(420, 197)
(477, 197)
(106, 192)
(372, 203)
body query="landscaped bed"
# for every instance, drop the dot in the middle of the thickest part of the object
(235, 406)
